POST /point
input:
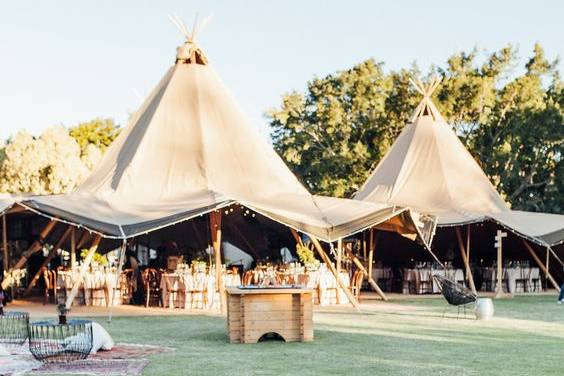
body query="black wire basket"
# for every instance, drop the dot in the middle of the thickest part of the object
(51, 342)
(14, 328)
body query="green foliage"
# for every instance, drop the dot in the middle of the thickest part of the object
(98, 132)
(335, 133)
(98, 258)
(306, 254)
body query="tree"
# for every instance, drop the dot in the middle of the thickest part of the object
(48, 164)
(55, 162)
(336, 132)
(98, 132)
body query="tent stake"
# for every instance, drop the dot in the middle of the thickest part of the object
(35, 246)
(541, 265)
(465, 259)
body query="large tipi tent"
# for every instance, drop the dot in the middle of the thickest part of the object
(429, 169)
(189, 150)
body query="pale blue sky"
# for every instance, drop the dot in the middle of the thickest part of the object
(70, 61)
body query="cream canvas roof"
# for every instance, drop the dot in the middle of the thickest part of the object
(429, 169)
(189, 150)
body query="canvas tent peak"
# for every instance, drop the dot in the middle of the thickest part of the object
(426, 106)
(190, 52)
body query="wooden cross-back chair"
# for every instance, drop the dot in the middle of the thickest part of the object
(356, 283)
(50, 290)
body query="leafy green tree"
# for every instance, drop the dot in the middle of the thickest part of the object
(98, 132)
(336, 132)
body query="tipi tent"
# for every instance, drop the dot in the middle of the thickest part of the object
(429, 169)
(189, 150)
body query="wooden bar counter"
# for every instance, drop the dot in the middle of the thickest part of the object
(254, 312)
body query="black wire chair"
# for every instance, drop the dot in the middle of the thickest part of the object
(51, 342)
(455, 294)
(14, 328)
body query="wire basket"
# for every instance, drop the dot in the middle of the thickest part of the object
(14, 328)
(51, 342)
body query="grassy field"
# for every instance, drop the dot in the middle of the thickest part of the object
(400, 337)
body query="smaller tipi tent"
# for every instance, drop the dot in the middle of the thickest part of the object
(429, 169)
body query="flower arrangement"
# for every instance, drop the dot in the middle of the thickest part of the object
(199, 266)
(98, 258)
(15, 277)
(307, 256)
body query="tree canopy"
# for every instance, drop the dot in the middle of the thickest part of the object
(56, 161)
(509, 115)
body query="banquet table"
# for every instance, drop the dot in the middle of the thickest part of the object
(510, 275)
(423, 282)
(97, 285)
(189, 290)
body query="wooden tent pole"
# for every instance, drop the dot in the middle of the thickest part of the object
(215, 229)
(339, 264)
(364, 255)
(547, 266)
(541, 265)
(296, 237)
(48, 259)
(85, 265)
(117, 279)
(35, 246)
(370, 251)
(83, 239)
(468, 241)
(5, 251)
(329, 264)
(371, 280)
(465, 259)
(73, 247)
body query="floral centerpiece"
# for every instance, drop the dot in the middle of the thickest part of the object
(307, 256)
(97, 259)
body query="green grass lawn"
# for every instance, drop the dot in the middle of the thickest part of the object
(400, 337)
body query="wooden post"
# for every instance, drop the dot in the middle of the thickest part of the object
(329, 264)
(364, 256)
(296, 237)
(48, 259)
(339, 263)
(85, 265)
(35, 246)
(83, 239)
(499, 245)
(468, 242)
(466, 261)
(5, 250)
(370, 251)
(215, 229)
(541, 265)
(371, 280)
(73, 248)
(547, 259)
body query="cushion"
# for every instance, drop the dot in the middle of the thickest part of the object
(101, 339)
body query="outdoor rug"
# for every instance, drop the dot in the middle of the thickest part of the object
(122, 360)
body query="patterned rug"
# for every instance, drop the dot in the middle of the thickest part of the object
(123, 359)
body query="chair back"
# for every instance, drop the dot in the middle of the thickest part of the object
(454, 293)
